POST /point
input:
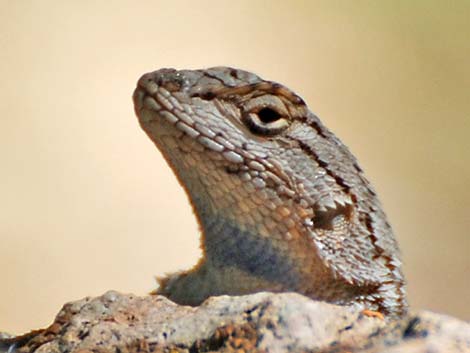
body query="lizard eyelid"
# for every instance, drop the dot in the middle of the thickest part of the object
(265, 116)
(266, 122)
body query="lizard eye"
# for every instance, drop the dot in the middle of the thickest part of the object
(265, 118)
(265, 122)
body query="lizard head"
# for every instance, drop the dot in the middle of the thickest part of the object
(236, 143)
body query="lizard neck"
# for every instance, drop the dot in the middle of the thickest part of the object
(230, 240)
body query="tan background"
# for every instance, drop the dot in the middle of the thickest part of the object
(86, 201)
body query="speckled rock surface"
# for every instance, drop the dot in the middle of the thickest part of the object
(262, 322)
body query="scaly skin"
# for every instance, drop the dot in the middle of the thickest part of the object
(282, 203)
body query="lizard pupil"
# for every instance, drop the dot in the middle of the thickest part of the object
(268, 115)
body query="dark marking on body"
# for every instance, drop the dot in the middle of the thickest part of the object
(244, 252)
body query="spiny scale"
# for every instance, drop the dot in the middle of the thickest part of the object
(282, 203)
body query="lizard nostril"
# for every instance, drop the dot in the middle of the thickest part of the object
(234, 73)
(207, 96)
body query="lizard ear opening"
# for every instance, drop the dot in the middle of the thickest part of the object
(332, 217)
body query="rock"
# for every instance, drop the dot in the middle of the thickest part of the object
(262, 322)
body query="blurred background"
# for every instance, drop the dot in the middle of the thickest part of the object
(88, 204)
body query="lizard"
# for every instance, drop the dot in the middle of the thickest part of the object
(282, 204)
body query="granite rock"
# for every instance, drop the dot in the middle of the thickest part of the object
(262, 322)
